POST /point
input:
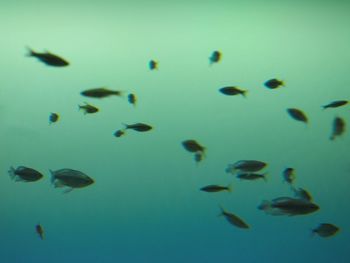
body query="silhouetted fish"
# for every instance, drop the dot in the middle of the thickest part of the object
(49, 58)
(325, 230)
(335, 104)
(53, 117)
(100, 93)
(297, 114)
(87, 108)
(39, 229)
(215, 57)
(24, 174)
(213, 188)
(231, 91)
(233, 219)
(338, 128)
(70, 178)
(152, 64)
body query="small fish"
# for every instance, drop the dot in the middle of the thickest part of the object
(302, 194)
(24, 174)
(297, 114)
(100, 93)
(274, 83)
(325, 230)
(246, 166)
(251, 176)
(132, 99)
(338, 128)
(88, 108)
(152, 64)
(288, 206)
(335, 104)
(193, 146)
(39, 229)
(215, 57)
(119, 133)
(140, 127)
(289, 175)
(231, 91)
(216, 188)
(48, 58)
(233, 219)
(70, 178)
(53, 117)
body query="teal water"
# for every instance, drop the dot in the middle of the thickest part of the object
(145, 204)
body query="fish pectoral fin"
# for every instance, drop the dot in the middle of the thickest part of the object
(70, 189)
(58, 184)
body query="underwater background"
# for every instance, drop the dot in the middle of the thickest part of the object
(146, 204)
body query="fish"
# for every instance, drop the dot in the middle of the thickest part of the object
(140, 127)
(70, 178)
(246, 166)
(53, 117)
(289, 175)
(119, 133)
(297, 114)
(152, 64)
(198, 156)
(88, 108)
(231, 91)
(338, 128)
(39, 229)
(213, 188)
(233, 219)
(251, 176)
(288, 206)
(193, 146)
(24, 174)
(215, 57)
(100, 93)
(335, 104)
(48, 58)
(325, 230)
(302, 194)
(132, 99)
(273, 83)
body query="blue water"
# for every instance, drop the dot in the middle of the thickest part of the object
(145, 204)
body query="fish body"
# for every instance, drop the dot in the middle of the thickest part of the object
(251, 176)
(132, 99)
(289, 175)
(140, 127)
(39, 229)
(288, 206)
(88, 109)
(193, 146)
(24, 174)
(49, 58)
(70, 178)
(53, 117)
(248, 166)
(297, 114)
(335, 104)
(152, 64)
(234, 220)
(338, 128)
(325, 230)
(100, 93)
(215, 57)
(273, 83)
(232, 91)
(215, 188)
(119, 133)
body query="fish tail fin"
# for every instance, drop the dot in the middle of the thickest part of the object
(264, 176)
(312, 232)
(265, 205)
(244, 93)
(30, 52)
(53, 177)
(126, 126)
(222, 211)
(229, 188)
(12, 172)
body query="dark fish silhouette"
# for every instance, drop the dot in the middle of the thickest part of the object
(24, 174)
(246, 166)
(231, 91)
(152, 64)
(288, 206)
(100, 93)
(233, 219)
(70, 178)
(132, 99)
(289, 175)
(49, 58)
(87, 108)
(338, 128)
(53, 117)
(251, 176)
(273, 83)
(215, 57)
(39, 229)
(140, 127)
(302, 194)
(193, 146)
(325, 230)
(215, 188)
(119, 133)
(335, 104)
(297, 114)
